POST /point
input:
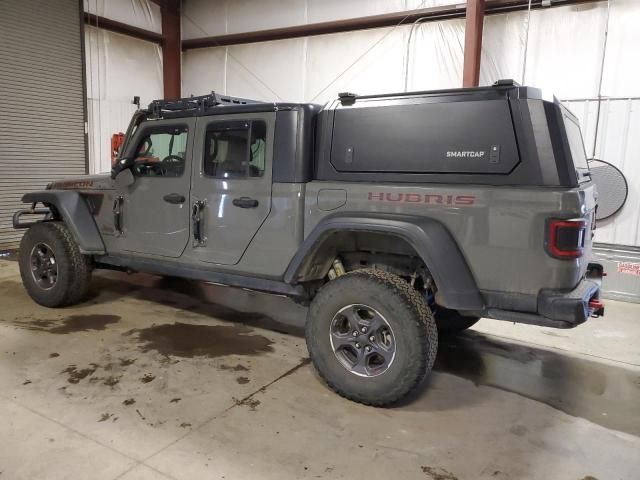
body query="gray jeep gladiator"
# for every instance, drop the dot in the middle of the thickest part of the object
(394, 217)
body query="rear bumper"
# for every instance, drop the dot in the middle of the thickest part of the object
(559, 308)
(572, 307)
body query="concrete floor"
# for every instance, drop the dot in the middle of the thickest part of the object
(145, 382)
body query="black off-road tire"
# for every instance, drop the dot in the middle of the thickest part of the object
(451, 323)
(74, 268)
(414, 331)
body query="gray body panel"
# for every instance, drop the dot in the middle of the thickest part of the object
(150, 224)
(501, 234)
(75, 212)
(229, 229)
(483, 244)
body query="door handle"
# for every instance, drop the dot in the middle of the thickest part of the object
(175, 198)
(245, 202)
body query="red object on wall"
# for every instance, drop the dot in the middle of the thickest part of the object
(117, 139)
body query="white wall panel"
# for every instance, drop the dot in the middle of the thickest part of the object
(565, 49)
(138, 13)
(203, 18)
(437, 55)
(379, 71)
(252, 15)
(503, 42)
(327, 10)
(267, 71)
(622, 62)
(118, 68)
(204, 70)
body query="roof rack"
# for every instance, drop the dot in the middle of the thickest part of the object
(193, 105)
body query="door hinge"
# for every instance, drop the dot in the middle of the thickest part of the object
(117, 215)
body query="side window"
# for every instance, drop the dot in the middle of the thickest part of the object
(161, 153)
(235, 149)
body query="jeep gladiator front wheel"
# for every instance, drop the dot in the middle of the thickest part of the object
(371, 336)
(53, 270)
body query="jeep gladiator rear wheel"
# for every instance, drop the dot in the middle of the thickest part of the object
(371, 336)
(53, 270)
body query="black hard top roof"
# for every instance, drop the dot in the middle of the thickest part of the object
(216, 104)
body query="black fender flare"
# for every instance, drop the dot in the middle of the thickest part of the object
(76, 215)
(429, 238)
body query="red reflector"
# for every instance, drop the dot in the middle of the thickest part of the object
(595, 304)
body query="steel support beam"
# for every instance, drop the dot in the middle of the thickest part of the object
(374, 21)
(473, 43)
(171, 49)
(122, 28)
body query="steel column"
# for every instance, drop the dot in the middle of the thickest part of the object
(171, 49)
(473, 43)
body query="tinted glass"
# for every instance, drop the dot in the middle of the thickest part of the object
(161, 153)
(576, 144)
(235, 150)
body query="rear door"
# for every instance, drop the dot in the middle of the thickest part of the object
(155, 209)
(231, 184)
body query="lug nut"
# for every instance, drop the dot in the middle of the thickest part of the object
(372, 338)
(363, 329)
(355, 333)
(368, 348)
(357, 345)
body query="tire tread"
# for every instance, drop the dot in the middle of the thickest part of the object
(425, 323)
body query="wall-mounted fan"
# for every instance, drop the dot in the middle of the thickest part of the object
(612, 188)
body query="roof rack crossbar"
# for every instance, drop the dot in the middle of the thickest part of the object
(194, 105)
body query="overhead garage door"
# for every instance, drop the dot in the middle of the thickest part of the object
(42, 101)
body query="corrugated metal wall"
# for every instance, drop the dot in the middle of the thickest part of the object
(618, 143)
(42, 100)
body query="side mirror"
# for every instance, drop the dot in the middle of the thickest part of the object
(121, 165)
(123, 180)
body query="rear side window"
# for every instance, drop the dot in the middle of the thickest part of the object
(576, 143)
(235, 149)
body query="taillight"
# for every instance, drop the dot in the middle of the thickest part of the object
(565, 238)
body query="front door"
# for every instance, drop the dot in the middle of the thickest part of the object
(231, 184)
(155, 209)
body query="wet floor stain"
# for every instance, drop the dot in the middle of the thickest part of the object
(76, 374)
(70, 324)
(188, 340)
(436, 473)
(105, 416)
(111, 381)
(250, 402)
(147, 377)
(601, 393)
(234, 368)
